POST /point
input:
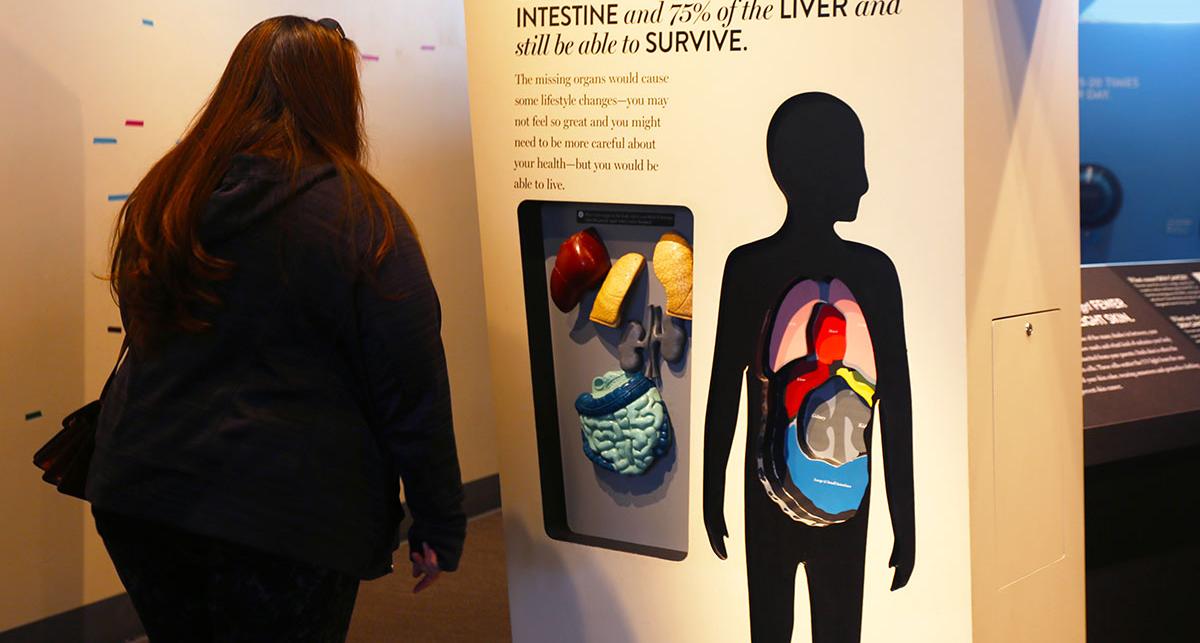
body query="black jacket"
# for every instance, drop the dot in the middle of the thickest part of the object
(288, 426)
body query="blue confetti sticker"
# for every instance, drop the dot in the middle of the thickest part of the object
(118, 197)
(33, 416)
(148, 22)
(104, 140)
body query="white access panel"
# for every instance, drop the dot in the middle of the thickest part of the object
(1029, 440)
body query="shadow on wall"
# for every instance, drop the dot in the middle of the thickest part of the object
(41, 335)
(1018, 22)
(600, 610)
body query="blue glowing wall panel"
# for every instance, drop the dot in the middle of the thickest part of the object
(1139, 93)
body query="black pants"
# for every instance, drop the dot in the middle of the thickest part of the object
(187, 587)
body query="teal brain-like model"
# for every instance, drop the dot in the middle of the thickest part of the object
(625, 424)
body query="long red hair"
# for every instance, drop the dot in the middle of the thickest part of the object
(291, 93)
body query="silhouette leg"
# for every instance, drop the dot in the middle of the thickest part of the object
(772, 580)
(775, 545)
(835, 591)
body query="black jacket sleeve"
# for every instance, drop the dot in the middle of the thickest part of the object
(400, 329)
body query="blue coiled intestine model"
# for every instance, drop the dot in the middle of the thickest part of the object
(625, 424)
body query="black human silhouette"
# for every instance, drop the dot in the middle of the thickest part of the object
(815, 323)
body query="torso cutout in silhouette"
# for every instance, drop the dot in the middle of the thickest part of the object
(815, 323)
(811, 445)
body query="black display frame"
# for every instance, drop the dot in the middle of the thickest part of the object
(545, 391)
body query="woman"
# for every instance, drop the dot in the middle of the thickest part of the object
(285, 368)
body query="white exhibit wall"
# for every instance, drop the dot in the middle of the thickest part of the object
(41, 333)
(75, 71)
(1022, 213)
(903, 75)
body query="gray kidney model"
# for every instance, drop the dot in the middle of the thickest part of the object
(639, 347)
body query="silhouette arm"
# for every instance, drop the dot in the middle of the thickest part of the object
(720, 418)
(895, 415)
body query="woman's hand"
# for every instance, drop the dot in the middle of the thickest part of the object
(425, 567)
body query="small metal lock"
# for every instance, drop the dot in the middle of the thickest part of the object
(1028, 329)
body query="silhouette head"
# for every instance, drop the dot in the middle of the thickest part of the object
(815, 149)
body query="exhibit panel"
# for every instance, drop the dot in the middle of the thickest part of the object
(1139, 214)
(1138, 88)
(844, 305)
(849, 282)
(1141, 358)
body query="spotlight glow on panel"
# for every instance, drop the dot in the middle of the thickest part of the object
(1143, 12)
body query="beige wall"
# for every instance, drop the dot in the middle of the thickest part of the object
(1022, 153)
(41, 333)
(77, 70)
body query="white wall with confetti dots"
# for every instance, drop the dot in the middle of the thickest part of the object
(94, 93)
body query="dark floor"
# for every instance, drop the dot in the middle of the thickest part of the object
(1143, 551)
(1143, 558)
(469, 605)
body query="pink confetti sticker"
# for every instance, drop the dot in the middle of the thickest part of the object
(428, 47)
(372, 57)
(129, 122)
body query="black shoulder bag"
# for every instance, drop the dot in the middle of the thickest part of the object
(65, 459)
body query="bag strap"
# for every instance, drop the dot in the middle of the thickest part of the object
(120, 359)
